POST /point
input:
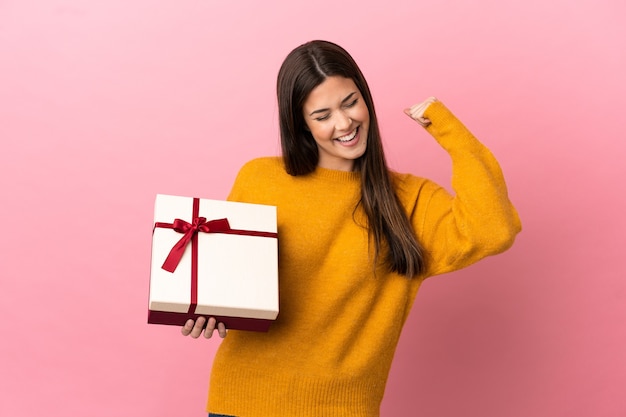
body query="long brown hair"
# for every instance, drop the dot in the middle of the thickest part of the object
(305, 68)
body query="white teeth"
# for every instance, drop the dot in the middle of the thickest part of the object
(349, 137)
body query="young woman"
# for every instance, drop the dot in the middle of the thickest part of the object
(356, 240)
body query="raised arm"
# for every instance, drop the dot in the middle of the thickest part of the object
(478, 220)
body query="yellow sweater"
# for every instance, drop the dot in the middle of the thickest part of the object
(330, 351)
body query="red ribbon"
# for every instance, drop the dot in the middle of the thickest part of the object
(190, 231)
(190, 234)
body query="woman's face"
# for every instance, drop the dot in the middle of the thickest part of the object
(338, 118)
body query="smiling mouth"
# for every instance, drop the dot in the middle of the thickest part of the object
(349, 137)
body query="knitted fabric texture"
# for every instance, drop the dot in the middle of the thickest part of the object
(330, 351)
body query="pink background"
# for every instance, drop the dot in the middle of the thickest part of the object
(104, 104)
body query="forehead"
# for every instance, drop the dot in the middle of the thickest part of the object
(330, 93)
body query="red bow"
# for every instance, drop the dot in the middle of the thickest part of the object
(199, 224)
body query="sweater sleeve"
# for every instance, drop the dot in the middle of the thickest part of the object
(246, 189)
(478, 220)
(237, 192)
(256, 181)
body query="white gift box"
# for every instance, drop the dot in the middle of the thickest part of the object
(233, 276)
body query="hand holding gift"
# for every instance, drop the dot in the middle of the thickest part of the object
(195, 328)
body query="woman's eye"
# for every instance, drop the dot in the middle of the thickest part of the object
(352, 103)
(321, 119)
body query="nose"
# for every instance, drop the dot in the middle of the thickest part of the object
(343, 121)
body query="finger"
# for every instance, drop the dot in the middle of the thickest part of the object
(197, 327)
(425, 105)
(417, 111)
(210, 326)
(186, 329)
(413, 110)
(418, 116)
(221, 330)
(424, 122)
(413, 114)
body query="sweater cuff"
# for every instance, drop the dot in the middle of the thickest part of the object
(438, 112)
(447, 129)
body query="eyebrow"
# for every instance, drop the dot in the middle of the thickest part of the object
(342, 102)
